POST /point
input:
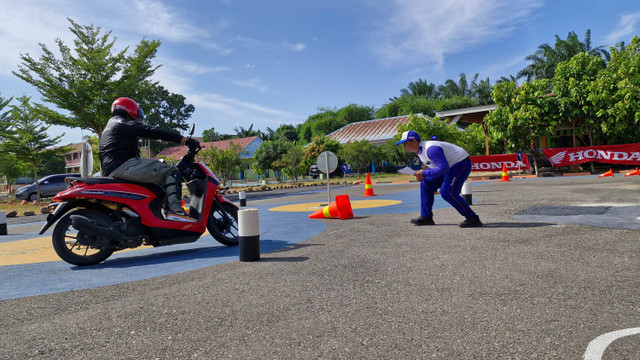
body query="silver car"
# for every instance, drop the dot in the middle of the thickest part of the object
(49, 186)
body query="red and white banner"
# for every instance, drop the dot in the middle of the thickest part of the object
(494, 162)
(628, 154)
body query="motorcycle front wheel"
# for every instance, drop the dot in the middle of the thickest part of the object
(223, 223)
(66, 244)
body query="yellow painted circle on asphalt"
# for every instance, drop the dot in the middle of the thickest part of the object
(37, 250)
(356, 204)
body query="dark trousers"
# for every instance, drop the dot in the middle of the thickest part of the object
(450, 187)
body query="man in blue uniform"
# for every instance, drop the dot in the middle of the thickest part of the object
(448, 166)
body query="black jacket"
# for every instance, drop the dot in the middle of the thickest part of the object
(119, 141)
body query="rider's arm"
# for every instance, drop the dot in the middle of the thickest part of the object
(145, 131)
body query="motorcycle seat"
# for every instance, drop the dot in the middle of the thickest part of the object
(155, 188)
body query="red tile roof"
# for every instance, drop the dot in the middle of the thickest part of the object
(377, 131)
(179, 151)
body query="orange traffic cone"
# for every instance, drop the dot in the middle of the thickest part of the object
(368, 188)
(341, 208)
(608, 173)
(634, 172)
(505, 174)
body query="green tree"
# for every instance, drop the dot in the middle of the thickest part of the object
(167, 111)
(546, 58)
(394, 155)
(287, 133)
(420, 88)
(359, 154)
(241, 132)
(267, 154)
(573, 82)
(226, 162)
(27, 139)
(427, 128)
(210, 135)
(319, 145)
(292, 162)
(328, 120)
(616, 94)
(82, 83)
(523, 114)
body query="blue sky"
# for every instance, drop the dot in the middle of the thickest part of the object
(276, 62)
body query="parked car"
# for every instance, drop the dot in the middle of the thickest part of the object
(314, 172)
(49, 186)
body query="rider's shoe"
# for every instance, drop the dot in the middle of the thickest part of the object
(180, 216)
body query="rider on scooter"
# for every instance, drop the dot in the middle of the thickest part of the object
(120, 157)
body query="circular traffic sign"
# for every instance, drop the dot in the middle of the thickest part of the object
(327, 162)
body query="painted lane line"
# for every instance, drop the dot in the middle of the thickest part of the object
(597, 346)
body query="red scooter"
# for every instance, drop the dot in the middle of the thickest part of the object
(100, 215)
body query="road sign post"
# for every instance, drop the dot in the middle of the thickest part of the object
(345, 167)
(327, 162)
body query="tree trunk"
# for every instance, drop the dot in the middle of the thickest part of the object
(35, 176)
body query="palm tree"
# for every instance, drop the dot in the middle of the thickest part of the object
(420, 88)
(545, 60)
(241, 132)
(511, 78)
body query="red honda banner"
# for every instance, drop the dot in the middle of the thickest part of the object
(494, 162)
(628, 154)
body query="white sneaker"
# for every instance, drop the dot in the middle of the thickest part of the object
(180, 216)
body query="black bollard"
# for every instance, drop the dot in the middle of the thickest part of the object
(3, 223)
(243, 198)
(248, 235)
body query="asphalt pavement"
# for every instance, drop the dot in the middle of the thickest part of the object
(555, 267)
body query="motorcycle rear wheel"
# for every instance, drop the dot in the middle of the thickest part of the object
(66, 245)
(223, 223)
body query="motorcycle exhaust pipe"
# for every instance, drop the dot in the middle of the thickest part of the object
(90, 228)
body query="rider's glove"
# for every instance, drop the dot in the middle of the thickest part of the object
(192, 143)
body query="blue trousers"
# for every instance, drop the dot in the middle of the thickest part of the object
(450, 185)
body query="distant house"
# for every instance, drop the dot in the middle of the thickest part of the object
(377, 131)
(72, 158)
(248, 146)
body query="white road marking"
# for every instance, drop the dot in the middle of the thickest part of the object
(597, 346)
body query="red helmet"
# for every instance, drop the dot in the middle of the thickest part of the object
(129, 107)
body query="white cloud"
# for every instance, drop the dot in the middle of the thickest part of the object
(177, 75)
(224, 113)
(22, 28)
(239, 108)
(294, 47)
(254, 84)
(428, 31)
(168, 23)
(626, 27)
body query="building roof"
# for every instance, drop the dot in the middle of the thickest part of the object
(474, 114)
(179, 151)
(377, 131)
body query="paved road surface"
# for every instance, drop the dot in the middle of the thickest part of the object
(555, 267)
